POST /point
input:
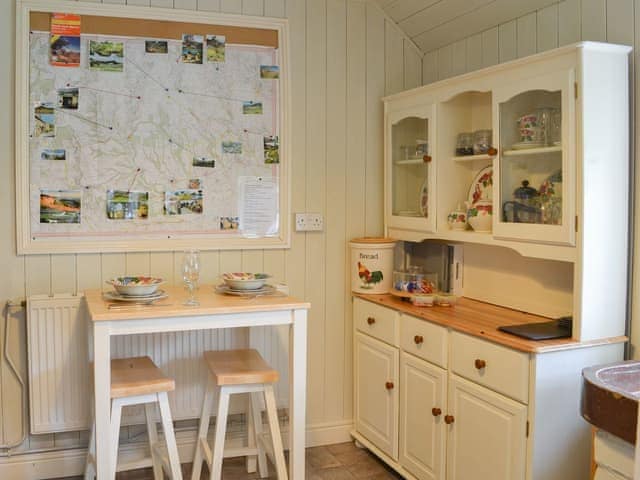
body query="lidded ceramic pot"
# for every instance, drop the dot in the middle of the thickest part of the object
(457, 219)
(480, 215)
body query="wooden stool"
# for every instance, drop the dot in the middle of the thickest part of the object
(137, 381)
(239, 371)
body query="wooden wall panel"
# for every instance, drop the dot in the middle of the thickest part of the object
(569, 22)
(459, 58)
(393, 58)
(547, 28)
(169, 3)
(490, 47)
(507, 38)
(208, 5)
(374, 205)
(594, 20)
(474, 52)
(412, 65)
(336, 197)
(316, 158)
(526, 32)
(620, 21)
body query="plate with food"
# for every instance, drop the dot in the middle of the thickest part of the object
(136, 285)
(245, 280)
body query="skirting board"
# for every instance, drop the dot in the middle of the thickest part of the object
(61, 463)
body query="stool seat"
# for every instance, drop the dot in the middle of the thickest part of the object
(138, 376)
(239, 367)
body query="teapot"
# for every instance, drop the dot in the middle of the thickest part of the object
(525, 208)
(480, 215)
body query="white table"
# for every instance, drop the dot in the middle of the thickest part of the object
(215, 311)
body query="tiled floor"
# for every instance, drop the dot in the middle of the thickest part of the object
(343, 461)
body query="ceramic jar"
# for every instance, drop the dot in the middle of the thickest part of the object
(457, 219)
(480, 215)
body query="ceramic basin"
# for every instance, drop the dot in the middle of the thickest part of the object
(610, 395)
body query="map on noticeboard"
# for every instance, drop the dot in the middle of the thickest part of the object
(151, 136)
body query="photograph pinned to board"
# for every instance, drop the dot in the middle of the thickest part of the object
(127, 205)
(269, 72)
(258, 206)
(60, 206)
(69, 98)
(183, 202)
(106, 56)
(156, 46)
(252, 108)
(194, 184)
(229, 223)
(45, 116)
(216, 48)
(203, 162)
(271, 149)
(53, 154)
(64, 40)
(191, 48)
(231, 147)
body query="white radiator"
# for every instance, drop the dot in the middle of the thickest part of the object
(59, 356)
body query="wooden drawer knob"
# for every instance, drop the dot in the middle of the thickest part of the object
(418, 339)
(388, 385)
(492, 152)
(436, 412)
(448, 419)
(371, 320)
(480, 364)
(426, 159)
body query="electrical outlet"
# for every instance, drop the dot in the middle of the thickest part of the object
(309, 222)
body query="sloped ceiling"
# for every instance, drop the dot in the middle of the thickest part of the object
(432, 24)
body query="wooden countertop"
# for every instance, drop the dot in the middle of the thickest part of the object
(482, 320)
(211, 303)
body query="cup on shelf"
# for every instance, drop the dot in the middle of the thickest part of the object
(481, 141)
(464, 144)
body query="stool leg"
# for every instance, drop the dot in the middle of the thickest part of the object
(257, 430)
(221, 428)
(169, 436)
(152, 433)
(203, 429)
(116, 415)
(251, 434)
(90, 467)
(272, 414)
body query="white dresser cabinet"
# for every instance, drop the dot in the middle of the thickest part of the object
(438, 403)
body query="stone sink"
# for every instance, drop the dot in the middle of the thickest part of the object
(610, 395)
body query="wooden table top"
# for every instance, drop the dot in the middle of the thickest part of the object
(211, 303)
(482, 320)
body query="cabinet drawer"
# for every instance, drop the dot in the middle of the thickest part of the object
(377, 321)
(498, 368)
(423, 339)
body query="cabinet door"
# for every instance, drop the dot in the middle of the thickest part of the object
(410, 169)
(534, 181)
(486, 434)
(422, 406)
(376, 393)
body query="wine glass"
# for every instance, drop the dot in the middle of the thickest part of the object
(191, 274)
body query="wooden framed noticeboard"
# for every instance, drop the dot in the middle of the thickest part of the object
(142, 129)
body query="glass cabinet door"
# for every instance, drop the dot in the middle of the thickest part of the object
(411, 188)
(535, 181)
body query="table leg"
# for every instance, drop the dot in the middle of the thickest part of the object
(102, 381)
(297, 394)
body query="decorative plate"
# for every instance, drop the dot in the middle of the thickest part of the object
(424, 198)
(157, 295)
(482, 186)
(226, 290)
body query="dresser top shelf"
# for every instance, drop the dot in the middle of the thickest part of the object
(482, 320)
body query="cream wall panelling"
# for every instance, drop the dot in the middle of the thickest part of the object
(356, 37)
(32, 240)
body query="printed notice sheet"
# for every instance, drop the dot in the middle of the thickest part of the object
(259, 206)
